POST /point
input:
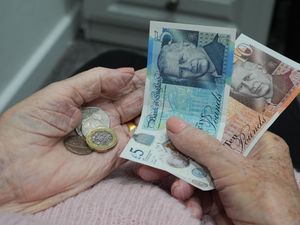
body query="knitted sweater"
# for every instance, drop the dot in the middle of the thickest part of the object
(119, 199)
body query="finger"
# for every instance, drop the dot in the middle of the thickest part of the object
(129, 129)
(137, 120)
(270, 146)
(139, 78)
(182, 190)
(151, 174)
(123, 110)
(202, 147)
(137, 82)
(194, 205)
(128, 107)
(167, 182)
(95, 83)
(160, 177)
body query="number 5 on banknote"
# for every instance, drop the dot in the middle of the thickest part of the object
(188, 74)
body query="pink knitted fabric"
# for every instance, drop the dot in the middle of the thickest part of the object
(119, 199)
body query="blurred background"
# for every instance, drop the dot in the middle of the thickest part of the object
(43, 41)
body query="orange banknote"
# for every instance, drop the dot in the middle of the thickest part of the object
(263, 84)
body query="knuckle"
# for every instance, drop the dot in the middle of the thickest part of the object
(278, 142)
(54, 85)
(95, 70)
(277, 139)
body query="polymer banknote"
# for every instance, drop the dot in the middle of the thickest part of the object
(188, 73)
(263, 84)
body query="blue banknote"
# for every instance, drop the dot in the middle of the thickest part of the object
(188, 73)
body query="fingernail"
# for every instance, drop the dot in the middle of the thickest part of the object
(126, 69)
(176, 125)
(148, 175)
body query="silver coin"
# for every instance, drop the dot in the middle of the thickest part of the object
(95, 120)
(86, 112)
(91, 123)
(92, 112)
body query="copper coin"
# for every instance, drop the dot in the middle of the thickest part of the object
(77, 145)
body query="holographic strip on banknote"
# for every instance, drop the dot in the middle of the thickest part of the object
(263, 84)
(188, 75)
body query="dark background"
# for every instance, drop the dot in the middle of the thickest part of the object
(284, 38)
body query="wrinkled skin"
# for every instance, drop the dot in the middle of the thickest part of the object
(36, 171)
(259, 189)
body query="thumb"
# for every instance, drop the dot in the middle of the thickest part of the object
(202, 147)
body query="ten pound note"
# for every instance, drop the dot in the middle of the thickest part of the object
(263, 84)
(188, 74)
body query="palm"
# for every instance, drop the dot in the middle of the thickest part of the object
(46, 172)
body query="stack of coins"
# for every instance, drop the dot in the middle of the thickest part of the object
(93, 133)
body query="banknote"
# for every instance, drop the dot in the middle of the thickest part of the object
(188, 73)
(263, 84)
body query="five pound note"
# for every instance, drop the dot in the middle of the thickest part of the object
(188, 75)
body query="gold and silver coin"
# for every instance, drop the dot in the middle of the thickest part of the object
(77, 145)
(101, 139)
(92, 117)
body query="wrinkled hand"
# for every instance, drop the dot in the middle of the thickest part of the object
(36, 171)
(259, 189)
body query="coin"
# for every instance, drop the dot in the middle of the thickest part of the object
(93, 122)
(86, 112)
(77, 145)
(101, 139)
(91, 116)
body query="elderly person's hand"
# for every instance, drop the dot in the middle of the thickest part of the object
(259, 189)
(36, 170)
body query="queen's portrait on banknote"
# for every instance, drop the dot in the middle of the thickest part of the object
(258, 85)
(185, 62)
